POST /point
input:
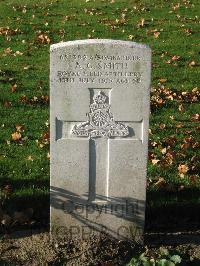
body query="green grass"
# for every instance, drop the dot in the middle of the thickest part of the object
(21, 24)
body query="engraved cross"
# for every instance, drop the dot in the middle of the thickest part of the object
(99, 129)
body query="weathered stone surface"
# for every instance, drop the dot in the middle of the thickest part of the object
(99, 136)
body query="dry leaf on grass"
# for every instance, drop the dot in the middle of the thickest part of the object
(16, 136)
(183, 168)
(14, 88)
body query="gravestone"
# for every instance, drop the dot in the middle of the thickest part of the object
(99, 137)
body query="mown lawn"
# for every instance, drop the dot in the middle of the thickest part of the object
(171, 28)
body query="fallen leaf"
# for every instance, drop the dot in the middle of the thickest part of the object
(191, 64)
(175, 58)
(162, 80)
(7, 104)
(183, 168)
(160, 183)
(19, 128)
(195, 117)
(156, 34)
(30, 158)
(181, 108)
(141, 23)
(164, 150)
(162, 126)
(155, 161)
(179, 125)
(8, 51)
(14, 88)
(24, 99)
(46, 136)
(17, 53)
(43, 38)
(168, 159)
(16, 136)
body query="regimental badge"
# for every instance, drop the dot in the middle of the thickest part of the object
(100, 121)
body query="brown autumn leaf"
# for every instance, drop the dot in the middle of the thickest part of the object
(6, 31)
(30, 158)
(168, 159)
(196, 145)
(168, 62)
(179, 125)
(7, 104)
(188, 31)
(192, 63)
(171, 140)
(189, 139)
(162, 126)
(175, 58)
(174, 7)
(18, 53)
(164, 150)
(154, 143)
(24, 99)
(46, 136)
(183, 168)
(8, 51)
(26, 67)
(19, 128)
(151, 155)
(16, 136)
(156, 34)
(43, 38)
(45, 98)
(35, 99)
(195, 117)
(14, 88)
(154, 161)
(181, 108)
(185, 146)
(141, 23)
(162, 80)
(160, 183)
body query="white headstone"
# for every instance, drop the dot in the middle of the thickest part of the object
(99, 137)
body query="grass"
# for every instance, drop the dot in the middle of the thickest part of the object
(171, 28)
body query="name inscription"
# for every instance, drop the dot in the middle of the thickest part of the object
(100, 69)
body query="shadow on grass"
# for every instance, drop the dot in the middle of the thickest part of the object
(167, 213)
(174, 211)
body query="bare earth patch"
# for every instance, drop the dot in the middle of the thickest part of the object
(39, 249)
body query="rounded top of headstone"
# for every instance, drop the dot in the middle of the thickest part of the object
(99, 42)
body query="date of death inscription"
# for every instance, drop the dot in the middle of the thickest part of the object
(97, 71)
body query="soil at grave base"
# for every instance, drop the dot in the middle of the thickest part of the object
(38, 250)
